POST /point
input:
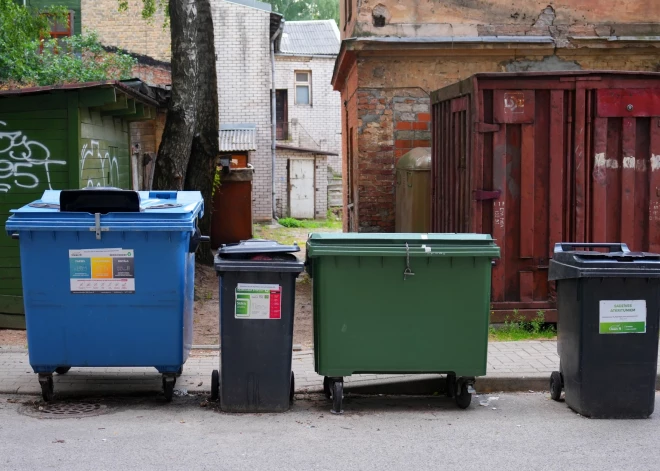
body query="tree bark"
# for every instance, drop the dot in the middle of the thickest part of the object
(205, 146)
(176, 144)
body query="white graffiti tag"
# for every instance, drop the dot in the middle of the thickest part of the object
(20, 158)
(96, 171)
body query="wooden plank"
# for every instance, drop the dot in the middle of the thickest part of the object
(15, 320)
(34, 124)
(627, 216)
(557, 170)
(73, 140)
(41, 102)
(499, 210)
(527, 192)
(654, 193)
(31, 115)
(579, 165)
(526, 286)
(129, 109)
(599, 186)
(97, 96)
(120, 104)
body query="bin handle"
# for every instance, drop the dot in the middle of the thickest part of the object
(571, 246)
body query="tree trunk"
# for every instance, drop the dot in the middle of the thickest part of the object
(205, 146)
(174, 150)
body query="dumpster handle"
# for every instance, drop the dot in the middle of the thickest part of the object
(407, 272)
(14, 236)
(571, 246)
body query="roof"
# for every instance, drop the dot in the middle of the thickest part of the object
(305, 38)
(253, 4)
(130, 88)
(238, 137)
(304, 150)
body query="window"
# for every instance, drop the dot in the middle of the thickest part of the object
(60, 30)
(282, 114)
(303, 88)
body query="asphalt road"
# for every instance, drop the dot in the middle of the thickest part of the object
(514, 432)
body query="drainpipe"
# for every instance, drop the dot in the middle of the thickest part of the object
(273, 123)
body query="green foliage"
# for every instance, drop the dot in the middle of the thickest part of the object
(517, 328)
(301, 10)
(216, 179)
(330, 223)
(149, 9)
(27, 59)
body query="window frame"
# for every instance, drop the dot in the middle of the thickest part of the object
(297, 83)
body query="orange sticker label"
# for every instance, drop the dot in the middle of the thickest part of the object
(102, 267)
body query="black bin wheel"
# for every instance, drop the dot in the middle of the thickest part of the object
(463, 397)
(47, 389)
(215, 385)
(337, 397)
(556, 385)
(62, 370)
(292, 391)
(450, 386)
(168, 388)
(327, 387)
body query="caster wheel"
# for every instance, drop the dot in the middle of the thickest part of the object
(62, 370)
(168, 389)
(337, 397)
(463, 397)
(215, 385)
(47, 389)
(450, 386)
(327, 387)
(292, 391)
(179, 372)
(556, 385)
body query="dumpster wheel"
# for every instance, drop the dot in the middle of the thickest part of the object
(337, 395)
(327, 388)
(556, 385)
(215, 385)
(47, 387)
(62, 370)
(168, 387)
(463, 396)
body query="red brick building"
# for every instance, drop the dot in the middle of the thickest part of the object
(394, 53)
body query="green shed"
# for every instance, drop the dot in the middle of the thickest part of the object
(60, 137)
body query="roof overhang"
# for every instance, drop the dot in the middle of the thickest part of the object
(238, 137)
(305, 150)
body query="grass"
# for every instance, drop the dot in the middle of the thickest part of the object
(517, 328)
(332, 222)
(296, 230)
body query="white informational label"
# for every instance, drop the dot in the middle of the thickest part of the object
(258, 301)
(622, 317)
(102, 271)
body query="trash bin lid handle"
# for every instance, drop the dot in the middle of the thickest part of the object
(571, 246)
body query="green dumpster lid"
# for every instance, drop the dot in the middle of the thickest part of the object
(416, 159)
(396, 244)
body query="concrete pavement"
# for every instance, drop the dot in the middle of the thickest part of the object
(512, 366)
(514, 432)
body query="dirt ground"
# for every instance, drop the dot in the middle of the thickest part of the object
(206, 296)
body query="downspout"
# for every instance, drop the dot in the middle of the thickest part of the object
(273, 119)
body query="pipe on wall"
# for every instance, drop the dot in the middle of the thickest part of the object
(273, 124)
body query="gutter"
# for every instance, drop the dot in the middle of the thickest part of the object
(273, 119)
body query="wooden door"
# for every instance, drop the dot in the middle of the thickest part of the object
(301, 188)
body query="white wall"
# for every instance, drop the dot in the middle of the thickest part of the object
(244, 81)
(322, 119)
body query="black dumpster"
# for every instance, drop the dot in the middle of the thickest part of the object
(607, 305)
(257, 299)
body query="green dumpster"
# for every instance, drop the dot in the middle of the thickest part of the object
(401, 303)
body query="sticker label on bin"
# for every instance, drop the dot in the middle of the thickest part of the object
(102, 271)
(258, 301)
(623, 317)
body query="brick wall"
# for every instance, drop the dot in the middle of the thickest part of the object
(242, 44)
(320, 122)
(153, 74)
(127, 30)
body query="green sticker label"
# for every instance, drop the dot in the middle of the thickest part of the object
(258, 301)
(622, 317)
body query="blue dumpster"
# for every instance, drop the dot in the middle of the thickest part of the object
(108, 277)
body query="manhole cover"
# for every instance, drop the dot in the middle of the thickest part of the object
(64, 410)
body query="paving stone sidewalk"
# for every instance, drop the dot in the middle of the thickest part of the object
(512, 366)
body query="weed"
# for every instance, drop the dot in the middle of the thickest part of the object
(331, 222)
(516, 327)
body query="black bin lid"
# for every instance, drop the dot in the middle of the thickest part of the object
(258, 255)
(255, 247)
(619, 261)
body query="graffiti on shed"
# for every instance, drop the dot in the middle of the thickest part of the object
(23, 162)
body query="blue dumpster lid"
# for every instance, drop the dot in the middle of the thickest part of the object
(159, 211)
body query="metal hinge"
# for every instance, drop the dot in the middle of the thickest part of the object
(97, 226)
